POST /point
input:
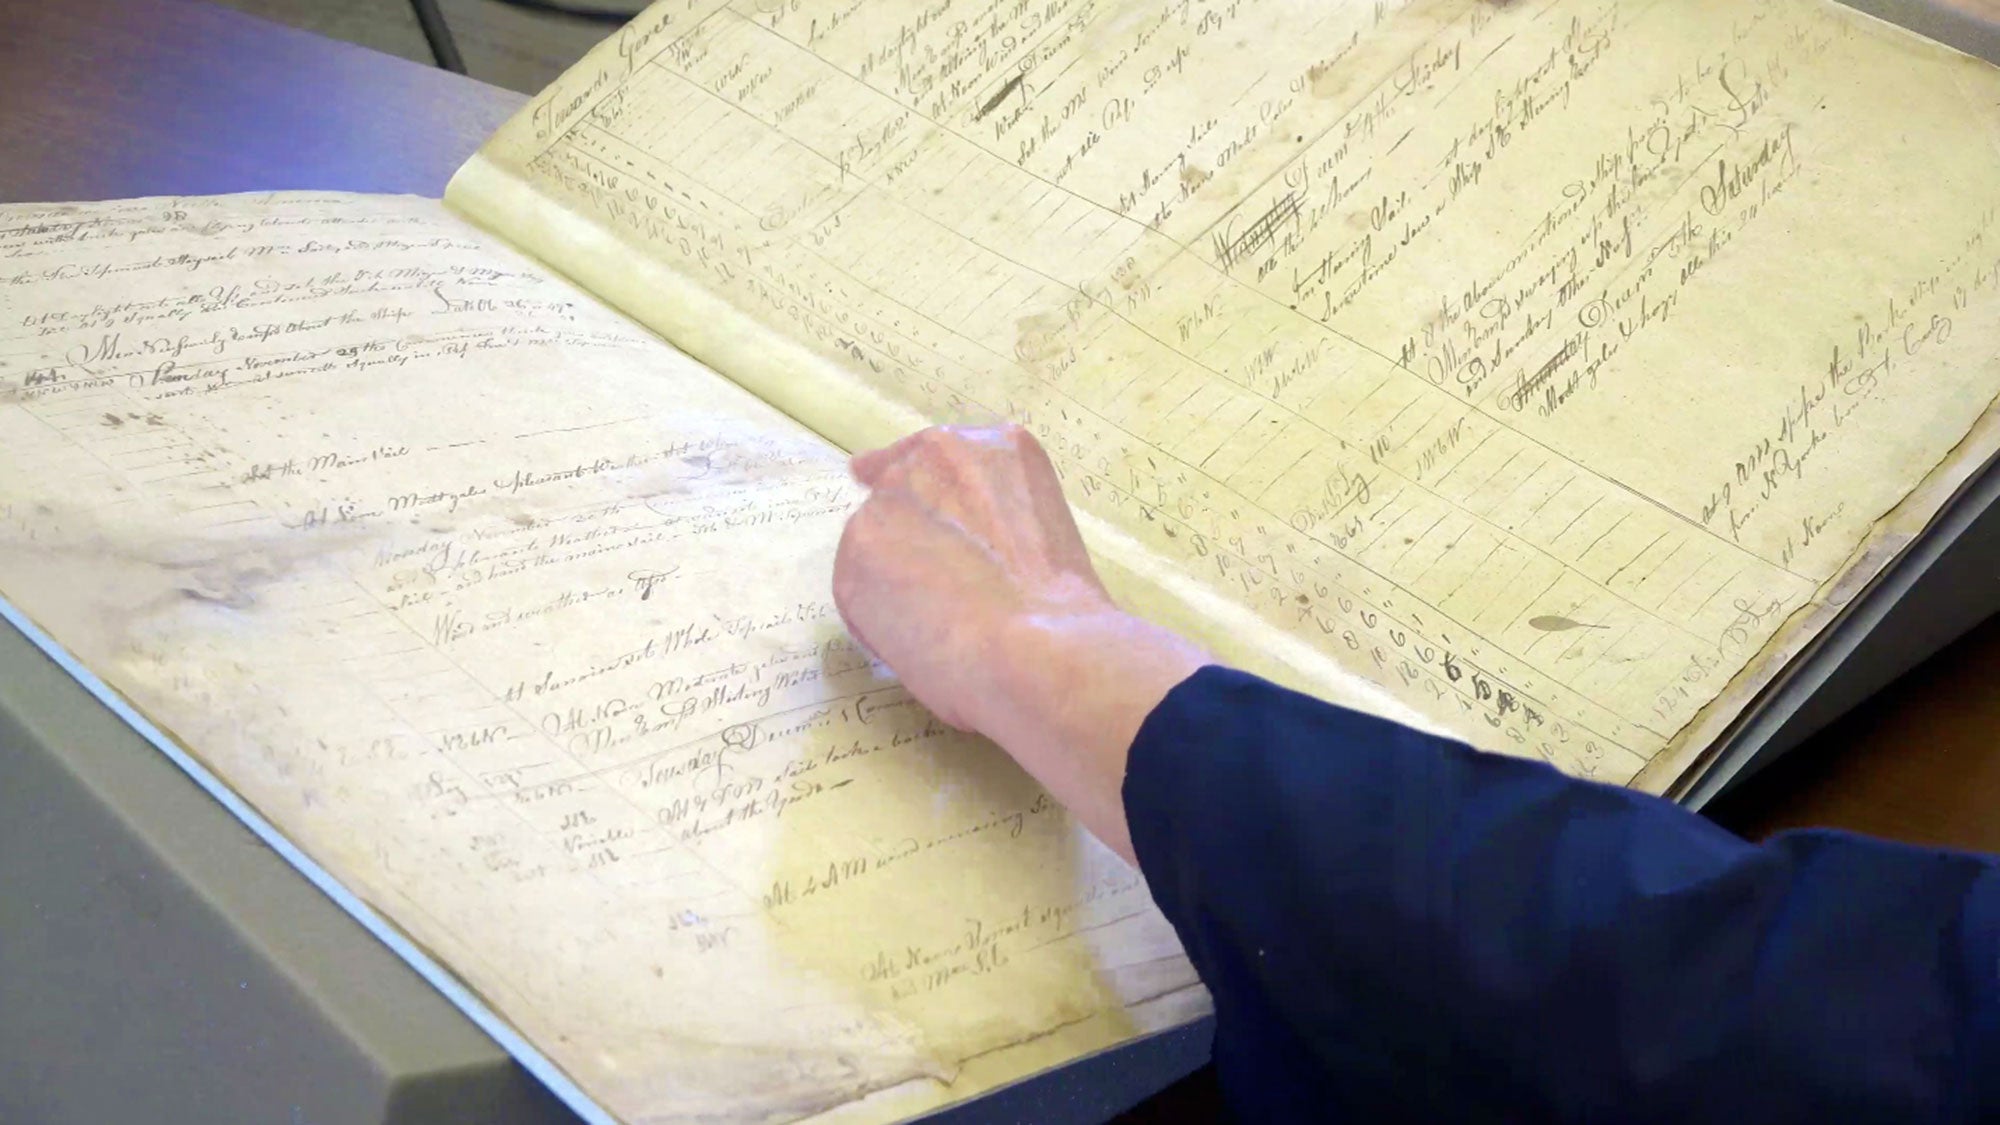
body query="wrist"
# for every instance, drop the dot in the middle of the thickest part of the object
(1064, 693)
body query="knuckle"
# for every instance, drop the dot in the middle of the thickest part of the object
(934, 447)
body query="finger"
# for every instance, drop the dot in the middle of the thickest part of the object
(1062, 538)
(933, 445)
(913, 520)
(1032, 452)
(869, 466)
(884, 548)
(936, 477)
(891, 576)
(1045, 483)
(850, 580)
(998, 437)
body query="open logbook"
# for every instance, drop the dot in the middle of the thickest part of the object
(1552, 373)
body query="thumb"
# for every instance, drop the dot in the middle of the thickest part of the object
(868, 467)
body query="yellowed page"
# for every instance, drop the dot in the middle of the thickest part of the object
(1549, 363)
(517, 621)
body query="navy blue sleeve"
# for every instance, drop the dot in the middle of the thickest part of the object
(1397, 927)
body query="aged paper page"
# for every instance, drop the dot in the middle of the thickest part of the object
(517, 621)
(1548, 363)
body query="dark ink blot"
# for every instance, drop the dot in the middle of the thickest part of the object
(1553, 624)
(993, 102)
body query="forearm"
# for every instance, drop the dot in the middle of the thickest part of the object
(1067, 694)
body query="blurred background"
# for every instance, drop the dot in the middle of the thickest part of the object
(525, 44)
(519, 47)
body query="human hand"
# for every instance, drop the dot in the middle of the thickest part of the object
(965, 573)
(965, 535)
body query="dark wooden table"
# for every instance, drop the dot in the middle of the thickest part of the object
(111, 98)
(102, 99)
(1920, 762)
